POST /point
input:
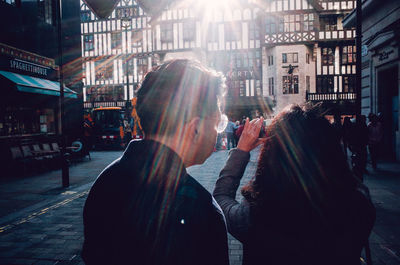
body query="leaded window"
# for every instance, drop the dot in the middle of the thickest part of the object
(88, 42)
(254, 31)
(271, 88)
(136, 38)
(290, 84)
(126, 12)
(325, 84)
(189, 30)
(116, 40)
(328, 23)
(308, 22)
(290, 57)
(166, 32)
(85, 16)
(233, 31)
(348, 54)
(104, 69)
(291, 23)
(349, 83)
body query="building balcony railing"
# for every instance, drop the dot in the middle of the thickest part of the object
(307, 36)
(96, 104)
(335, 96)
(290, 37)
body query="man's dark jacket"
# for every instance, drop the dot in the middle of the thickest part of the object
(145, 209)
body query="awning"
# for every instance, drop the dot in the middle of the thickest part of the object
(29, 84)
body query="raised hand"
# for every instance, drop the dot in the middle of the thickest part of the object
(249, 138)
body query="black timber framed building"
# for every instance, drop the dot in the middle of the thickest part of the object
(272, 54)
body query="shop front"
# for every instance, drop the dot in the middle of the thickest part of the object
(29, 105)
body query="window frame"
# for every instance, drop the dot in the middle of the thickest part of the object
(290, 57)
(88, 45)
(166, 30)
(271, 86)
(327, 58)
(189, 31)
(290, 84)
(116, 40)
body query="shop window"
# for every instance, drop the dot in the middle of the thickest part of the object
(26, 120)
(325, 84)
(290, 57)
(116, 40)
(290, 84)
(328, 56)
(88, 42)
(271, 85)
(348, 54)
(189, 30)
(166, 32)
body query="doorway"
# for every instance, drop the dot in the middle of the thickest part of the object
(388, 106)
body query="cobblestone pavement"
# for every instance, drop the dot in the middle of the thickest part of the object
(47, 227)
(41, 223)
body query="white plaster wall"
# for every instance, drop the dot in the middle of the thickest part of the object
(303, 69)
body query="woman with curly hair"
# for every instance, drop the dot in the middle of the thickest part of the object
(304, 205)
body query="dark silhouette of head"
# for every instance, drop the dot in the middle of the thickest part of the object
(301, 166)
(175, 92)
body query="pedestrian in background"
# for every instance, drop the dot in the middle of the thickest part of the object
(145, 208)
(239, 130)
(237, 124)
(304, 206)
(375, 135)
(337, 125)
(358, 146)
(347, 128)
(230, 130)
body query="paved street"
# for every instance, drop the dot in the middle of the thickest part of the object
(41, 223)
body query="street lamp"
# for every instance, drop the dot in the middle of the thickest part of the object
(126, 22)
(64, 166)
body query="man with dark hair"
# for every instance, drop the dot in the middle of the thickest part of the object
(144, 208)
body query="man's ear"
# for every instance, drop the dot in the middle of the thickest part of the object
(193, 128)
